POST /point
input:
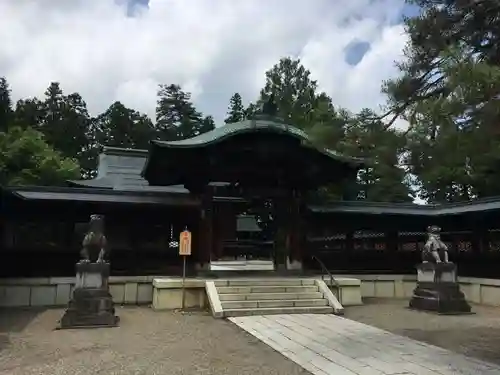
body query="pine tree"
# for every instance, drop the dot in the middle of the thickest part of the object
(294, 92)
(6, 113)
(120, 126)
(176, 116)
(236, 111)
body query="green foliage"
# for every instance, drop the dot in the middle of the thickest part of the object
(26, 159)
(236, 110)
(5, 105)
(448, 91)
(298, 102)
(120, 126)
(176, 116)
(294, 92)
(384, 179)
(64, 122)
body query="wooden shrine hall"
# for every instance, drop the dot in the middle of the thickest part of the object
(241, 189)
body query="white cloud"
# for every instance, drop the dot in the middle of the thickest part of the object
(212, 47)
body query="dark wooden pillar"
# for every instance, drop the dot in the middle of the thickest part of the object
(205, 243)
(296, 233)
(391, 238)
(480, 236)
(282, 236)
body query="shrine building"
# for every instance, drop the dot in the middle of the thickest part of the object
(244, 190)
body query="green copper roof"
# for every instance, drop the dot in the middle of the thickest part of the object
(260, 123)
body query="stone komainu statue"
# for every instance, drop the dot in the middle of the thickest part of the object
(94, 243)
(434, 250)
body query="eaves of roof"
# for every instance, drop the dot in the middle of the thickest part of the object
(411, 209)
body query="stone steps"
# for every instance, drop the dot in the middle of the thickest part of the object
(274, 303)
(278, 310)
(242, 297)
(272, 296)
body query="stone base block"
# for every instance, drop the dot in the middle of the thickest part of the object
(437, 272)
(90, 308)
(92, 275)
(442, 298)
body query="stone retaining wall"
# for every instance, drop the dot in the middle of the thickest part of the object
(477, 290)
(56, 291)
(137, 290)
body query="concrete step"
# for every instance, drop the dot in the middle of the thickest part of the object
(265, 282)
(273, 303)
(268, 274)
(269, 296)
(279, 310)
(266, 289)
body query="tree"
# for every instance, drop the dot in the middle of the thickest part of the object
(6, 112)
(448, 91)
(328, 124)
(294, 91)
(298, 101)
(176, 116)
(64, 122)
(236, 110)
(454, 140)
(26, 159)
(207, 124)
(251, 110)
(120, 126)
(383, 179)
(29, 112)
(473, 26)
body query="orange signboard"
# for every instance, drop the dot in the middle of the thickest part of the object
(185, 243)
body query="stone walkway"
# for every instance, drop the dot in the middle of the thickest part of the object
(329, 344)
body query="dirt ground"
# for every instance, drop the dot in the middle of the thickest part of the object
(146, 342)
(475, 335)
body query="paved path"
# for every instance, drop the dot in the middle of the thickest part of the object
(329, 344)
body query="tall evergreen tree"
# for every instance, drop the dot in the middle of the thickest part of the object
(294, 92)
(66, 121)
(236, 110)
(6, 112)
(448, 92)
(176, 116)
(120, 126)
(384, 178)
(29, 112)
(63, 120)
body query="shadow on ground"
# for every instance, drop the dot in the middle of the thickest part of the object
(16, 319)
(475, 335)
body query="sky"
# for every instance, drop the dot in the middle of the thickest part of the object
(110, 50)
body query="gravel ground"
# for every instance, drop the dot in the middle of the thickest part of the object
(475, 335)
(146, 342)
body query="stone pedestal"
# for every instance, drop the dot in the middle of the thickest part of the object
(438, 290)
(91, 305)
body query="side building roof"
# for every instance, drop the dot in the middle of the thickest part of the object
(119, 180)
(120, 169)
(411, 209)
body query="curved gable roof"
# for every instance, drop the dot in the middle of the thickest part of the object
(261, 123)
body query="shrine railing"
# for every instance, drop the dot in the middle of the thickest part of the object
(396, 253)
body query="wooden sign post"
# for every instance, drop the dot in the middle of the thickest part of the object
(184, 251)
